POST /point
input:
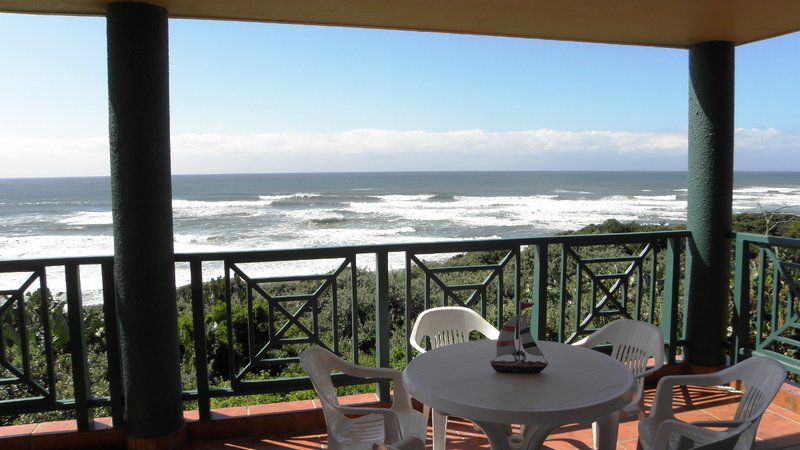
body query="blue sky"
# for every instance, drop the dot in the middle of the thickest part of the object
(274, 98)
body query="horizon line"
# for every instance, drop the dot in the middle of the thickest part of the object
(397, 172)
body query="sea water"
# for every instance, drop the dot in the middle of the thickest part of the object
(59, 217)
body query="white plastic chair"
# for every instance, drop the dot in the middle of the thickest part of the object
(633, 343)
(444, 326)
(373, 424)
(762, 378)
(448, 325)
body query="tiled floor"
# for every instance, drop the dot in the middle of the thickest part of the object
(780, 428)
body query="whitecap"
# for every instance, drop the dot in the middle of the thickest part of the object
(83, 218)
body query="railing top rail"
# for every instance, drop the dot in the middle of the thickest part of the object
(434, 247)
(770, 240)
(35, 263)
(346, 251)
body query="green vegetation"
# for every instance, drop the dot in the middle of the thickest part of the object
(216, 324)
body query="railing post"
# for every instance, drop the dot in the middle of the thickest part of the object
(112, 345)
(408, 308)
(382, 322)
(199, 327)
(669, 304)
(539, 313)
(741, 301)
(77, 347)
(44, 309)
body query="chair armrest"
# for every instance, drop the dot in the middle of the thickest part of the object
(711, 379)
(589, 341)
(391, 422)
(416, 346)
(718, 423)
(401, 399)
(363, 371)
(649, 371)
(371, 372)
(695, 433)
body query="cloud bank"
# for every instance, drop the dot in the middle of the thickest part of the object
(371, 149)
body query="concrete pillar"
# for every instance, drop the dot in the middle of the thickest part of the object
(711, 73)
(138, 87)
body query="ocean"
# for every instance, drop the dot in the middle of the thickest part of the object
(55, 217)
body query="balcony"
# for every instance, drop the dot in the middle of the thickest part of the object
(65, 364)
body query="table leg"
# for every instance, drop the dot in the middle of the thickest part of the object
(535, 435)
(605, 430)
(439, 422)
(497, 435)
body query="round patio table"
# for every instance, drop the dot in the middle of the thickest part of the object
(579, 385)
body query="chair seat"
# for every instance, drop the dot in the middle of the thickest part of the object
(361, 432)
(413, 423)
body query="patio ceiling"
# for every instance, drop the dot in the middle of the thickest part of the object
(668, 23)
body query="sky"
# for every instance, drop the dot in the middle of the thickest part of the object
(255, 97)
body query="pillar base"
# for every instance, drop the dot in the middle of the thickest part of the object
(177, 440)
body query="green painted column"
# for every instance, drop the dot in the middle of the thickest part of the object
(711, 74)
(144, 270)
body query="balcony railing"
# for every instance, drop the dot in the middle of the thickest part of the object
(243, 327)
(766, 294)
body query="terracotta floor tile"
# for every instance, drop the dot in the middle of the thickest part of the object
(304, 442)
(723, 411)
(272, 408)
(571, 436)
(697, 415)
(17, 430)
(568, 443)
(222, 413)
(60, 426)
(628, 431)
(359, 399)
(790, 386)
(784, 413)
(779, 431)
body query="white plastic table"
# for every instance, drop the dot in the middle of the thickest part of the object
(578, 386)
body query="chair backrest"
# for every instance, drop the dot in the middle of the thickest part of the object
(633, 343)
(449, 325)
(317, 363)
(762, 378)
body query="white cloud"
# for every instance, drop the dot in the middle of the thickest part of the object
(381, 142)
(371, 149)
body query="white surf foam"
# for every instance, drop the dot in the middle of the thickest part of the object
(394, 218)
(83, 218)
